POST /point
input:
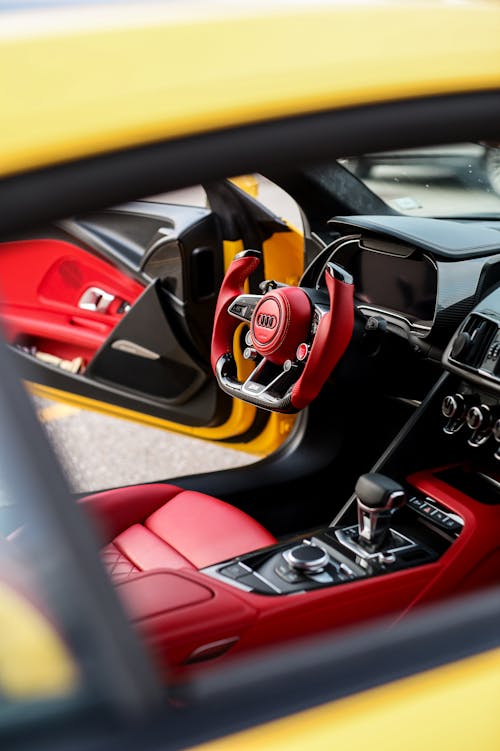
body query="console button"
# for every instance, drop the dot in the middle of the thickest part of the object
(288, 574)
(254, 582)
(234, 571)
(426, 507)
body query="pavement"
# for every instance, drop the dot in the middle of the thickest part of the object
(98, 451)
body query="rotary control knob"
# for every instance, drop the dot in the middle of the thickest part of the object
(306, 558)
(479, 419)
(452, 405)
(454, 408)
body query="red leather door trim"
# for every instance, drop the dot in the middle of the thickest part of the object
(41, 284)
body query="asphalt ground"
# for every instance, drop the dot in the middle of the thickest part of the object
(97, 451)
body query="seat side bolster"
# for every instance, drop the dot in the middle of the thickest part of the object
(113, 511)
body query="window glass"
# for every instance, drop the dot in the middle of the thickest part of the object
(461, 179)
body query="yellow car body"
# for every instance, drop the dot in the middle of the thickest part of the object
(81, 82)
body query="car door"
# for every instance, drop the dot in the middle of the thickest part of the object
(113, 310)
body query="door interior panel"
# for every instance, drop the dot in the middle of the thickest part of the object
(59, 300)
(143, 353)
(117, 307)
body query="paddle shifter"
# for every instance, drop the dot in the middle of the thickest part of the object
(377, 498)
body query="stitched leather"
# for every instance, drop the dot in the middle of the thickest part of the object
(205, 529)
(118, 565)
(147, 551)
(163, 526)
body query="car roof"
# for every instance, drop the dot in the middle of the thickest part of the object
(83, 80)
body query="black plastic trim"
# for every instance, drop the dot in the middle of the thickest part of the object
(444, 238)
(44, 374)
(31, 198)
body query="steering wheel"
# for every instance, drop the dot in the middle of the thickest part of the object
(296, 335)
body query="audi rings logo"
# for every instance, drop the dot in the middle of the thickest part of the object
(266, 321)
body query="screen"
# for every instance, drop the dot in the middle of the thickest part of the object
(405, 285)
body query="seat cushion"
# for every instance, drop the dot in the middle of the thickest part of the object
(117, 564)
(205, 529)
(147, 527)
(146, 551)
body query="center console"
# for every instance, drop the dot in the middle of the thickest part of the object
(398, 528)
(422, 526)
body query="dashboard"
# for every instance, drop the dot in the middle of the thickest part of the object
(423, 276)
(404, 284)
(437, 283)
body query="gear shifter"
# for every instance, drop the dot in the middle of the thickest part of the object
(378, 496)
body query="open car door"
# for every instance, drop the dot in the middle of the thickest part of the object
(114, 310)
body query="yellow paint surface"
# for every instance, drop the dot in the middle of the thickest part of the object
(454, 708)
(56, 412)
(77, 82)
(34, 662)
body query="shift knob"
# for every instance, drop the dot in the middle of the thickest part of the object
(378, 496)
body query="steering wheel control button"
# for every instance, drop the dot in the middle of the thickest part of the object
(306, 558)
(302, 352)
(239, 309)
(243, 306)
(249, 353)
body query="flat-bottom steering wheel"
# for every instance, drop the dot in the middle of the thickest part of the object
(296, 335)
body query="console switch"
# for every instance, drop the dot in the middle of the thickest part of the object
(454, 408)
(479, 420)
(307, 557)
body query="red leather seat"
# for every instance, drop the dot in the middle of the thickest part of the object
(155, 526)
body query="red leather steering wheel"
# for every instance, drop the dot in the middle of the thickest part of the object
(296, 335)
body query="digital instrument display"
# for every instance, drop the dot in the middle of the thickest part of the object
(405, 285)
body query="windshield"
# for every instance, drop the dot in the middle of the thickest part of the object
(460, 179)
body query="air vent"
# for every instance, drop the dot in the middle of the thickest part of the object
(472, 342)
